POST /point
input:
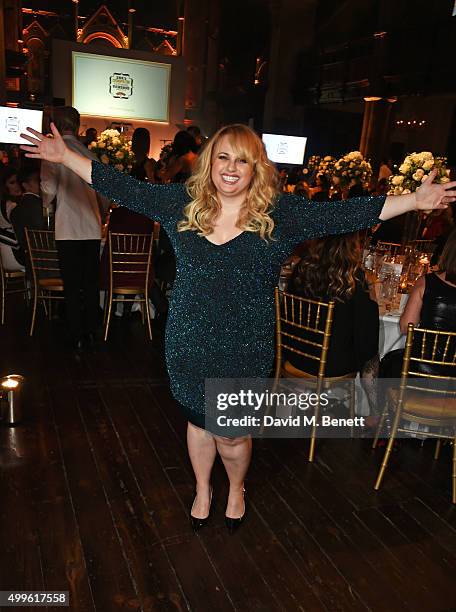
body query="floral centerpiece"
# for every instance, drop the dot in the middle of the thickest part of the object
(311, 168)
(326, 167)
(415, 169)
(352, 169)
(114, 149)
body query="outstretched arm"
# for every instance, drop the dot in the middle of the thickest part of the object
(161, 202)
(430, 196)
(302, 219)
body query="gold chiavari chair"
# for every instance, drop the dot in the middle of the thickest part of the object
(130, 273)
(307, 324)
(11, 281)
(47, 284)
(426, 399)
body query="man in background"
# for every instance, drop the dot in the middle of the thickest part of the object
(90, 136)
(29, 210)
(77, 233)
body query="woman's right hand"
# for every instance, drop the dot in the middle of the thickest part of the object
(50, 149)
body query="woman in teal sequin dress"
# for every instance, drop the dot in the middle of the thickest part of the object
(230, 231)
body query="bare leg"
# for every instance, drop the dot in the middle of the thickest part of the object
(202, 451)
(236, 454)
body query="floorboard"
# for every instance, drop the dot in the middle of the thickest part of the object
(96, 487)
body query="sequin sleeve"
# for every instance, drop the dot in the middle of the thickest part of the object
(299, 219)
(163, 203)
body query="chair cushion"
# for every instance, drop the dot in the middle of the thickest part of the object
(290, 369)
(51, 284)
(424, 404)
(128, 290)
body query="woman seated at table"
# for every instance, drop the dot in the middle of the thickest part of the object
(331, 270)
(432, 301)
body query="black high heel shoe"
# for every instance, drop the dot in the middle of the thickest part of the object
(233, 524)
(198, 523)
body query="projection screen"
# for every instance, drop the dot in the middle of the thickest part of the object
(121, 88)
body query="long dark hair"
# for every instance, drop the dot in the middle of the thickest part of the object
(183, 143)
(329, 269)
(140, 143)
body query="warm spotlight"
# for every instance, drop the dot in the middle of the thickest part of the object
(10, 399)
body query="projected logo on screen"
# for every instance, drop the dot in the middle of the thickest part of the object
(121, 88)
(120, 85)
(283, 149)
(12, 124)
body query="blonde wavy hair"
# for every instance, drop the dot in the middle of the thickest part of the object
(200, 214)
(329, 269)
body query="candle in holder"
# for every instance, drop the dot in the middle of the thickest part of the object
(424, 262)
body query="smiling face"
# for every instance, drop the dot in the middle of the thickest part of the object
(230, 173)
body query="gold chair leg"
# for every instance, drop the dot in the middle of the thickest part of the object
(147, 309)
(105, 307)
(380, 426)
(388, 450)
(35, 302)
(438, 446)
(313, 433)
(312, 445)
(108, 318)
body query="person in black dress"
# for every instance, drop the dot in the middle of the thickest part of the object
(432, 304)
(183, 158)
(144, 166)
(230, 230)
(331, 270)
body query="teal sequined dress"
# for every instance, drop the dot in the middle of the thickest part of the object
(221, 316)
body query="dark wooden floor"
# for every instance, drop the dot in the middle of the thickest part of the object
(95, 490)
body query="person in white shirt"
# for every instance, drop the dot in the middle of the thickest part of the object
(77, 232)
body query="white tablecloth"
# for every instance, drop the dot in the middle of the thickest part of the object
(390, 337)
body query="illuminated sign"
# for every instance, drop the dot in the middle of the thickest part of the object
(121, 88)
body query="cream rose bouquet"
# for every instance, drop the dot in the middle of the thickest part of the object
(312, 165)
(326, 167)
(352, 169)
(414, 170)
(114, 149)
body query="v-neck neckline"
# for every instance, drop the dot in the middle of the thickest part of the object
(224, 243)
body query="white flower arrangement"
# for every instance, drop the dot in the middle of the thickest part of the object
(351, 169)
(414, 170)
(114, 149)
(312, 165)
(326, 167)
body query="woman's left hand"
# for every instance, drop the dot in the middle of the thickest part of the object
(431, 196)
